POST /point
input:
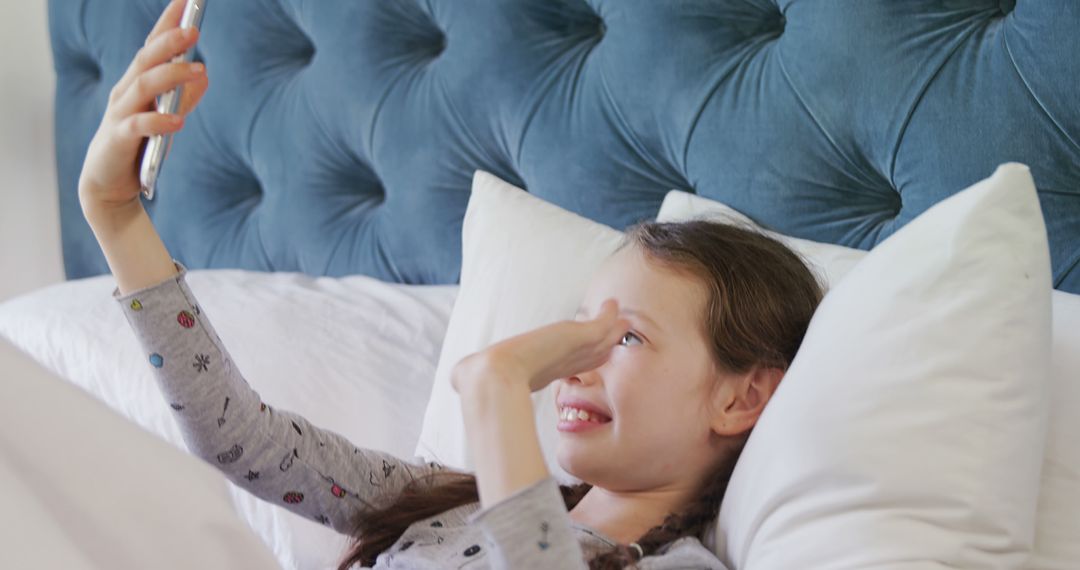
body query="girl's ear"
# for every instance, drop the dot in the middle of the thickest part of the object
(741, 399)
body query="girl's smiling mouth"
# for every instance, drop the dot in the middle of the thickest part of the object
(573, 419)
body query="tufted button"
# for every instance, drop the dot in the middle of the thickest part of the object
(1006, 6)
(896, 205)
(90, 67)
(770, 24)
(305, 52)
(421, 32)
(440, 43)
(773, 24)
(572, 19)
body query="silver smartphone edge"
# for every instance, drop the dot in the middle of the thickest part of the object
(168, 102)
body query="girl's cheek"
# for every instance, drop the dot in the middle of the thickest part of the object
(620, 358)
(637, 354)
(626, 371)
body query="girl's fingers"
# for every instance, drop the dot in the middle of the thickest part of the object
(621, 327)
(607, 309)
(170, 18)
(605, 330)
(193, 93)
(147, 87)
(148, 124)
(613, 335)
(160, 50)
(607, 319)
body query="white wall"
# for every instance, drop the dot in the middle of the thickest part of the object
(30, 255)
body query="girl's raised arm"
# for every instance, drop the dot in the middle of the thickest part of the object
(276, 455)
(109, 185)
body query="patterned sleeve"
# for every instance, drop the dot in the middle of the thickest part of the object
(276, 455)
(531, 529)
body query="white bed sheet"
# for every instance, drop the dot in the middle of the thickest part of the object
(354, 355)
(99, 493)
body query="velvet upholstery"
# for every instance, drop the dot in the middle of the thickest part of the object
(340, 136)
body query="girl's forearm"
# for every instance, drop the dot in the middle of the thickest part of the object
(502, 435)
(133, 249)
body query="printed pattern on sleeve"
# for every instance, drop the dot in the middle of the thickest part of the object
(276, 455)
(532, 529)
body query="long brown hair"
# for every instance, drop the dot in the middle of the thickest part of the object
(761, 296)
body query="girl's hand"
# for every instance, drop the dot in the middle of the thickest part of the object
(110, 174)
(548, 353)
(495, 384)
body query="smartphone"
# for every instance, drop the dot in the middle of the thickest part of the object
(168, 102)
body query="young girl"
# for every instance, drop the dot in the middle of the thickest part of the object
(681, 339)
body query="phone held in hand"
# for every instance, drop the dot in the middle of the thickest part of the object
(168, 102)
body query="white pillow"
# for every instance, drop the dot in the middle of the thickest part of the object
(1057, 531)
(355, 355)
(525, 263)
(1057, 538)
(83, 488)
(909, 429)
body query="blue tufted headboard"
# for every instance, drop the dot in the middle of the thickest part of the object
(340, 136)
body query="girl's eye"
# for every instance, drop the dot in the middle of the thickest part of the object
(630, 335)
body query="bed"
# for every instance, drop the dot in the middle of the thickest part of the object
(325, 177)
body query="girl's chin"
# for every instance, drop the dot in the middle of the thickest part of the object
(576, 457)
(571, 468)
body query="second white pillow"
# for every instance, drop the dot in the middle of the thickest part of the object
(908, 431)
(1057, 529)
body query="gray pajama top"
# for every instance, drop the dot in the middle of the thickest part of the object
(281, 457)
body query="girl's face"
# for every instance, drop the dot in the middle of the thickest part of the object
(656, 385)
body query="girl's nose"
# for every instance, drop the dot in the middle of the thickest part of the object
(583, 378)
